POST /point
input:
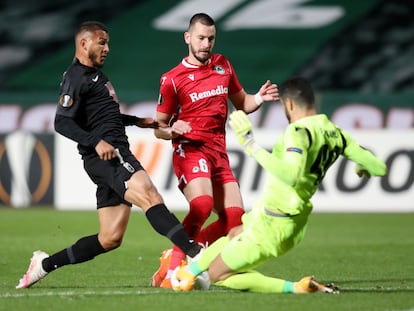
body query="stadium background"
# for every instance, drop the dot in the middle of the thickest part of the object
(358, 56)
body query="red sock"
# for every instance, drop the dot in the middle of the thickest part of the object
(231, 217)
(212, 232)
(200, 210)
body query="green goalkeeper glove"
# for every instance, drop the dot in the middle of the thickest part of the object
(241, 124)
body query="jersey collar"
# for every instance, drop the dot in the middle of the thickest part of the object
(188, 65)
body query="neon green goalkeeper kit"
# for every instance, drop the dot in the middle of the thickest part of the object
(278, 220)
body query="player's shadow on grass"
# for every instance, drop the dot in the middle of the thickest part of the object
(376, 290)
(380, 286)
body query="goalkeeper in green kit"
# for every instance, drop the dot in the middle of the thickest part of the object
(277, 222)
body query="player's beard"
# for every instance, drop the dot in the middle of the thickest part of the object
(95, 58)
(196, 55)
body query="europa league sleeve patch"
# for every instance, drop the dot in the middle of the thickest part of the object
(294, 149)
(65, 101)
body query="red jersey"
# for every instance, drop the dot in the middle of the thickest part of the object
(198, 95)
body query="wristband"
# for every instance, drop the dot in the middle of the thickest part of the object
(258, 99)
(252, 147)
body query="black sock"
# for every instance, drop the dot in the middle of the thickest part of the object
(84, 249)
(166, 224)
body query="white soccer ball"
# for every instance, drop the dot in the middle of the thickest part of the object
(181, 285)
(202, 282)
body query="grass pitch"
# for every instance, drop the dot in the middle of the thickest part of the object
(369, 256)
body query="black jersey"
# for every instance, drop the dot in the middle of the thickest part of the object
(88, 109)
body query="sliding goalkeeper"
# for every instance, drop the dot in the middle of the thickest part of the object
(295, 168)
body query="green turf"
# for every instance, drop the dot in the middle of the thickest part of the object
(370, 257)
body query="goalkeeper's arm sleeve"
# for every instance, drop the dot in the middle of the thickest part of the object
(287, 169)
(289, 163)
(363, 157)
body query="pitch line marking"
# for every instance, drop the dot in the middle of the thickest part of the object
(90, 293)
(75, 293)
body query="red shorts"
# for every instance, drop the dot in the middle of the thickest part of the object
(196, 160)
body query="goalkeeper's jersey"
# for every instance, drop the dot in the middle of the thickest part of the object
(301, 157)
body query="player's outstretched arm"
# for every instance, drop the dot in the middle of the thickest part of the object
(251, 102)
(147, 123)
(287, 170)
(170, 129)
(140, 122)
(367, 163)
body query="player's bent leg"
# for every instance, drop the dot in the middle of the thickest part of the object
(233, 205)
(253, 281)
(142, 192)
(86, 248)
(228, 206)
(113, 222)
(235, 231)
(218, 270)
(228, 219)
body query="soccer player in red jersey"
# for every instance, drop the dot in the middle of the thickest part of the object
(192, 112)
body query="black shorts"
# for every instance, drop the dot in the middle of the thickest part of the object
(110, 177)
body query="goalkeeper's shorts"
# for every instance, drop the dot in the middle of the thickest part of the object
(264, 236)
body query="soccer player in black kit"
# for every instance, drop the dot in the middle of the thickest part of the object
(88, 113)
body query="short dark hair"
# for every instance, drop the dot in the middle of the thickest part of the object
(91, 26)
(299, 89)
(202, 18)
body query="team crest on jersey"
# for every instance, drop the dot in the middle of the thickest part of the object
(219, 69)
(65, 101)
(196, 169)
(111, 91)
